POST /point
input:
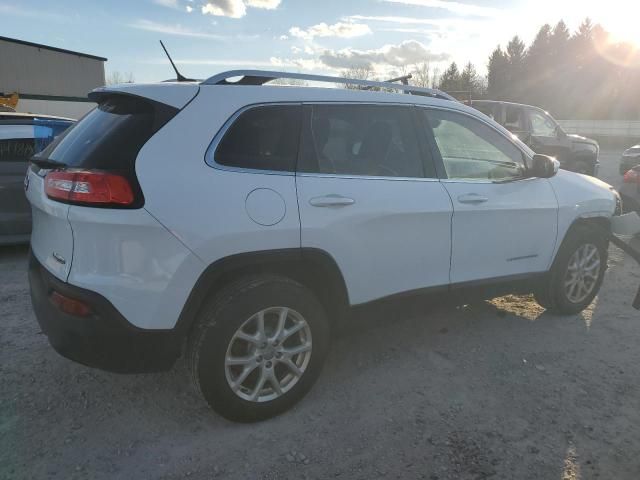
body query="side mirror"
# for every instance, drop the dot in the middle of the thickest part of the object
(560, 133)
(543, 166)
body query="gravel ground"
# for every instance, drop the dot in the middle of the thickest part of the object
(492, 390)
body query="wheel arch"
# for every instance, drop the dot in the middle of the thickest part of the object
(313, 268)
(598, 223)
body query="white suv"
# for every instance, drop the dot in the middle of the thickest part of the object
(232, 222)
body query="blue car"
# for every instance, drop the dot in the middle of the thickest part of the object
(21, 136)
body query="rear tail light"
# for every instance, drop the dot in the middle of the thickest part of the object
(88, 187)
(632, 176)
(70, 305)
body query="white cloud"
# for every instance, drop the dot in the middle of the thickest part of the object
(176, 29)
(284, 37)
(406, 53)
(189, 8)
(451, 6)
(11, 10)
(168, 3)
(236, 8)
(392, 19)
(266, 4)
(217, 62)
(340, 29)
(305, 64)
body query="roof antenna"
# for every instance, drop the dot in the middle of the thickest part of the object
(179, 76)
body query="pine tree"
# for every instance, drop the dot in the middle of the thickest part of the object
(497, 81)
(450, 79)
(537, 68)
(516, 51)
(470, 80)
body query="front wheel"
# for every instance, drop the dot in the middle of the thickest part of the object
(258, 347)
(577, 273)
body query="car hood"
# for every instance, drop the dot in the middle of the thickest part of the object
(580, 138)
(583, 193)
(629, 153)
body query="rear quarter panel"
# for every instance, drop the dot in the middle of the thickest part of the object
(128, 257)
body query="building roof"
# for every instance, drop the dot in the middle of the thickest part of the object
(55, 49)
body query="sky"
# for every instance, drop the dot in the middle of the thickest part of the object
(321, 36)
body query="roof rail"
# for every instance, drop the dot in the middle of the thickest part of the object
(260, 77)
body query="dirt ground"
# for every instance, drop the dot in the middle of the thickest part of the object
(496, 390)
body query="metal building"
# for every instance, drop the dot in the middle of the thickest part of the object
(47, 80)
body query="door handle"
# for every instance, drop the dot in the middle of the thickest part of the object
(331, 201)
(472, 198)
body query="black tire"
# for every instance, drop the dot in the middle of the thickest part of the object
(221, 318)
(552, 295)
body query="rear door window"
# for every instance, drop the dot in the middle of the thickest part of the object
(262, 138)
(489, 109)
(367, 140)
(514, 119)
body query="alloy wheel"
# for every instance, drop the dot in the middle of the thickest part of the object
(582, 273)
(268, 354)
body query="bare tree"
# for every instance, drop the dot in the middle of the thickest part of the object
(116, 77)
(291, 82)
(357, 73)
(435, 77)
(421, 75)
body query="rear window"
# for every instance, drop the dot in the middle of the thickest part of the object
(18, 143)
(111, 135)
(16, 149)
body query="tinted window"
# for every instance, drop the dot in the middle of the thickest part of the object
(16, 149)
(18, 143)
(365, 140)
(514, 119)
(111, 135)
(263, 138)
(489, 109)
(541, 124)
(472, 150)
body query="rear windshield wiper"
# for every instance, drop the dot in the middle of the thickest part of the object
(45, 163)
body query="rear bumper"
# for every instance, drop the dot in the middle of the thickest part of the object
(104, 339)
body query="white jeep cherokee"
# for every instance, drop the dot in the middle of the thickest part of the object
(231, 222)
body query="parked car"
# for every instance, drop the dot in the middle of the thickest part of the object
(630, 158)
(544, 135)
(21, 136)
(232, 223)
(630, 189)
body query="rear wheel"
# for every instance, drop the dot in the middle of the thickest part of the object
(258, 347)
(577, 273)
